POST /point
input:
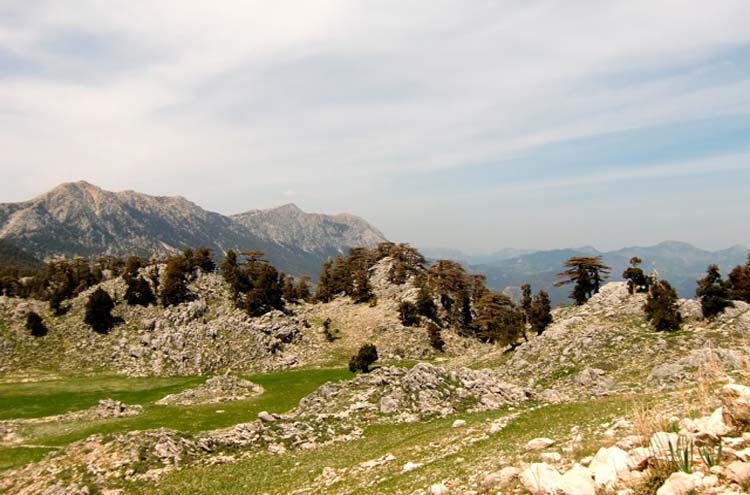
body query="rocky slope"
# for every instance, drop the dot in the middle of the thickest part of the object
(80, 219)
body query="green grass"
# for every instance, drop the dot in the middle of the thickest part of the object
(266, 473)
(283, 390)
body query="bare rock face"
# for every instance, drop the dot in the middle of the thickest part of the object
(216, 389)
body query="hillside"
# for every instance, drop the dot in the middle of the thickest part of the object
(474, 417)
(80, 219)
(14, 258)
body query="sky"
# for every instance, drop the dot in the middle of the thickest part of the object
(472, 125)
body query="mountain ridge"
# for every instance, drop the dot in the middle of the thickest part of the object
(81, 219)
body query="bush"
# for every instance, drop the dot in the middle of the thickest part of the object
(139, 292)
(661, 307)
(361, 361)
(174, 290)
(408, 314)
(328, 332)
(436, 339)
(35, 324)
(99, 311)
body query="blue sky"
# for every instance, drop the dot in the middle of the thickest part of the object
(474, 125)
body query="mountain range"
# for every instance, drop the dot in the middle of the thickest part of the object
(679, 262)
(81, 219)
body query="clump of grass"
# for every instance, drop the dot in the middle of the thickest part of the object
(711, 454)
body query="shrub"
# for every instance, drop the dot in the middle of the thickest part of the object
(35, 325)
(174, 290)
(408, 314)
(361, 361)
(661, 307)
(99, 311)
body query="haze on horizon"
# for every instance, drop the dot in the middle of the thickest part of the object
(499, 124)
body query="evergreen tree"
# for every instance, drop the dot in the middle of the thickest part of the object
(139, 292)
(587, 273)
(361, 291)
(35, 324)
(425, 304)
(237, 281)
(525, 302)
(303, 288)
(174, 290)
(498, 320)
(266, 291)
(326, 290)
(288, 290)
(540, 312)
(408, 314)
(713, 293)
(361, 361)
(436, 339)
(661, 307)
(739, 282)
(203, 260)
(637, 280)
(99, 311)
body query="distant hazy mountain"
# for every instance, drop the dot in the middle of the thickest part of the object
(473, 259)
(679, 262)
(80, 219)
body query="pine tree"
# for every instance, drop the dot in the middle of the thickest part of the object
(174, 290)
(288, 289)
(713, 293)
(436, 339)
(203, 260)
(325, 292)
(525, 302)
(739, 282)
(361, 361)
(361, 291)
(303, 288)
(139, 292)
(587, 273)
(498, 320)
(408, 314)
(637, 280)
(425, 304)
(661, 307)
(540, 312)
(99, 311)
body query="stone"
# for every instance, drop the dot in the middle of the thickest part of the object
(539, 444)
(500, 478)
(578, 480)
(550, 457)
(739, 472)
(736, 401)
(410, 466)
(540, 479)
(679, 483)
(459, 423)
(266, 417)
(708, 427)
(608, 463)
(439, 489)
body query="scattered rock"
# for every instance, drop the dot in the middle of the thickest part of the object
(459, 423)
(539, 444)
(439, 489)
(540, 478)
(578, 480)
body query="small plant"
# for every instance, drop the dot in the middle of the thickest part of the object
(681, 454)
(711, 454)
(328, 332)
